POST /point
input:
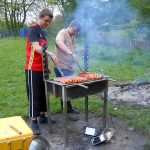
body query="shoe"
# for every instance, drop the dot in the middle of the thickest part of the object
(53, 121)
(69, 108)
(43, 119)
(71, 118)
(74, 111)
(35, 128)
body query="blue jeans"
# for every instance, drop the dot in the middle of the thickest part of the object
(65, 72)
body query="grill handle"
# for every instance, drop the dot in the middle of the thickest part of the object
(83, 86)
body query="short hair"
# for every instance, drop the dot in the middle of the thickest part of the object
(75, 24)
(46, 12)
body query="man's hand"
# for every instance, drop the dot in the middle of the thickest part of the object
(55, 60)
(36, 47)
(53, 57)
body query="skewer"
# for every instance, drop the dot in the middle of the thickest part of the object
(112, 80)
(109, 79)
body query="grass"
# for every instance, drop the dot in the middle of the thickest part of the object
(120, 64)
(12, 86)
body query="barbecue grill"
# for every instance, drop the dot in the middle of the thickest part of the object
(73, 90)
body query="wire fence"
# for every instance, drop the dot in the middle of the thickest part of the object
(103, 39)
(125, 42)
(13, 33)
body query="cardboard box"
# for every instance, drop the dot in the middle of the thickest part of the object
(14, 134)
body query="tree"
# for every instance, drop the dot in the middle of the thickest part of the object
(143, 6)
(66, 7)
(14, 12)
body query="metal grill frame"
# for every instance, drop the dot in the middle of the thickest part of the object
(70, 91)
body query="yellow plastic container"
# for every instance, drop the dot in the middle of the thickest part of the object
(14, 134)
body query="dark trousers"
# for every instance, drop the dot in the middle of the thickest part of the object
(35, 92)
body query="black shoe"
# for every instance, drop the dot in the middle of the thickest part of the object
(70, 109)
(35, 128)
(74, 111)
(72, 118)
(43, 119)
(53, 121)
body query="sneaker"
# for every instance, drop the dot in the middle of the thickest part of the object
(43, 119)
(35, 128)
(72, 118)
(74, 111)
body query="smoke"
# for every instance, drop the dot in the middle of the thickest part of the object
(100, 21)
(111, 30)
(103, 16)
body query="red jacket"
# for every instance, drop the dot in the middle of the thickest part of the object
(34, 59)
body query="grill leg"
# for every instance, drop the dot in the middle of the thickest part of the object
(64, 93)
(86, 109)
(48, 108)
(105, 108)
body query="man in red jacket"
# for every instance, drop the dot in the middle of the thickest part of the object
(34, 70)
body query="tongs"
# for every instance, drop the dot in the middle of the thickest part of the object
(77, 63)
(50, 55)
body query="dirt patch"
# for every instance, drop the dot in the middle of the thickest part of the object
(136, 93)
(126, 137)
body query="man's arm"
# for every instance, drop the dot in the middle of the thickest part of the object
(60, 38)
(33, 36)
(36, 47)
(63, 47)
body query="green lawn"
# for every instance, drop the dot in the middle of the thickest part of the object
(119, 64)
